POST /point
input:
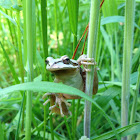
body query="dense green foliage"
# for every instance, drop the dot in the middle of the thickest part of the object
(55, 36)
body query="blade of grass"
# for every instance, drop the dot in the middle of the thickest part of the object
(127, 54)
(29, 67)
(68, 128)
(93, 26)
(51, 126)
(10, 65)
(24, 33)
(20, 62)
(56, 23)
(55, 88)
(45, 51)
(124, 131)
(1, 132)
(21, 108)
(44, 26)
(134, 106)
(73, 8)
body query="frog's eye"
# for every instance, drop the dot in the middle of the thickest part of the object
(66, 60)
(47, 62)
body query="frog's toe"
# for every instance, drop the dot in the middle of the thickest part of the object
(47, 94)
(51, 107)
(88, 63)
(46, 102)
(63, 100)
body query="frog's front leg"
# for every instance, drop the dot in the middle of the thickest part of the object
(58, 104)
(83, 60)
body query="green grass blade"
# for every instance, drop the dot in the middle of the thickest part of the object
(44, 26)
(30, 40)
(93, 26)
(124, 131)
(73, 7)
(21, 67)
(10, 65)
(134, 105)
(21, 108)
(127, 54)
(1, 132)
(54, 88)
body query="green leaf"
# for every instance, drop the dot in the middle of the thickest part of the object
(124, 131)
(10, 64)
(1, 132)
(17, 7)
(44, 87)
(7, 4)
(53, 88)
(107, 96)
(73, 13)
(113, 19)
(6, 16)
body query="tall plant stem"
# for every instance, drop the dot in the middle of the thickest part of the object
(21, 68)
(135, 101)
(29, 67)
(93, 26)
(127, 53)
(44, 26)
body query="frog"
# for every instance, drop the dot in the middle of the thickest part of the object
(69, 72)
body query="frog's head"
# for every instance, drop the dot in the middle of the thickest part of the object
(63, 63)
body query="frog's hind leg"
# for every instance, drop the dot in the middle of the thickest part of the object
(63, 105)
(58, 104)
(45, 95)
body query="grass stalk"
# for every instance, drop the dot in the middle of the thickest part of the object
(76, 24)
(44, 26)
(20, 113)
(10, 28)
(51, 126)
(21, 68)
(127, 53)
(73, 8)
(29, 67)
(117, 57)
(45, 50)
(10, 65)
(93, 26)
(68, 128)
(134, 106)
(56, 24)
(1, 132)
(112, 58)
(74, 45)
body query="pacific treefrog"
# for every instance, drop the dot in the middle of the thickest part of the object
(69, 72)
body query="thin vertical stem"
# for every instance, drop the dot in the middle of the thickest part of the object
(29, 67)
(44, 26)
(51, 126)
(112, 58)
(93, 27)
(134, 106)
(117, 57)
(2, 132)
(127, 53)
(56, 24)
(45, 49)
(21, 68)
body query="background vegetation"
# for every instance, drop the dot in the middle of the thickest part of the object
(55, 33)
